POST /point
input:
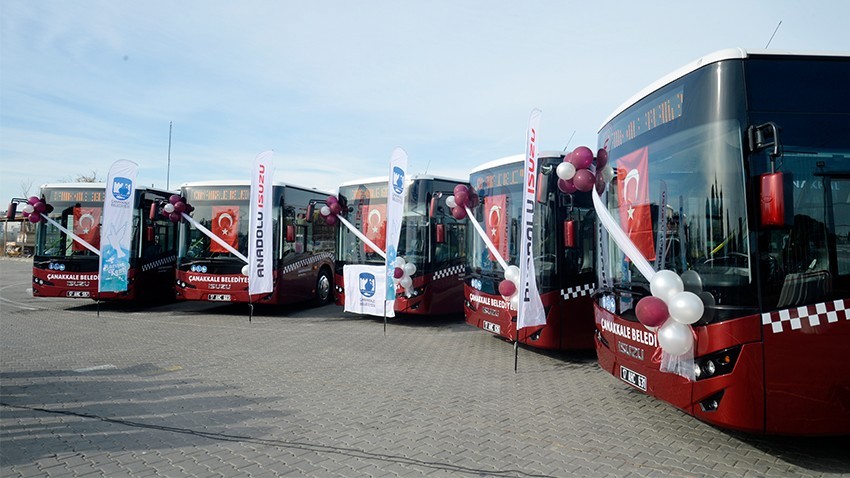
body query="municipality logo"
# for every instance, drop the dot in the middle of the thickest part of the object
(121, 188)
(367, 284)
(398, 180)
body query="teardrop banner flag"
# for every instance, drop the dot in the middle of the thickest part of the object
(395, 214)
(117, 229)
(531, 311)
(260, 239)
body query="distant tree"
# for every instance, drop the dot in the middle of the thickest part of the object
(25, 188)
(87, 178)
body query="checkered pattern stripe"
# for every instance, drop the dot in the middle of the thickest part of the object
(159, 262)
(448, 272)
(813, 315)
(579, 291)
(324, 256)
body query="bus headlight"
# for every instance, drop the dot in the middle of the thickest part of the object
(716, 364)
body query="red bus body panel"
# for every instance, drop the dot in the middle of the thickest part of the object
(569, 324)
(781, 383)
(152, 281)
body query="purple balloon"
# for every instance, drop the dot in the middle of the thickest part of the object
(335, 208)
(48, 208)
(39, 207)
(461, 189)
(507, 288)
(473, 200)
(584, 180)
(175, 216)
(174, 198)
(32, 200)
(189, 208)
(330, 219)
(458, 213)
(398, 273)
(600, 184)
(601, 158)
(567, 186)
(331, 200)
(34, 217)
(582, 157)
(651, 311)
(179, 206)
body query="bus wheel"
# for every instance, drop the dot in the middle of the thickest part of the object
(323, 288)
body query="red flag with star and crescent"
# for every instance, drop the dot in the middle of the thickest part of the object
(87, 227)
(374, 225)
(497, 223)
(225, 224)
(633, 200)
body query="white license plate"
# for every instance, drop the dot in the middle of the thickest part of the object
(633, 378)
(491, 327)
(219, 297)
(78, 293)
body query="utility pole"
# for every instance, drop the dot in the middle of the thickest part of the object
(168, 169)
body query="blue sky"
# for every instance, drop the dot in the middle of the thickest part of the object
(334, 86)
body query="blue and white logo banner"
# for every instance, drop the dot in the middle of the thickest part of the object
(117, 235)
(395, 215)
(363, 286)
(531, 311)
(260, 238)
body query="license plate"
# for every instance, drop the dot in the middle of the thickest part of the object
(633, 378)
(491, 327)
(220, 297)
(78, 293)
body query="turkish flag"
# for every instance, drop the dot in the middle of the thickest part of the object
(87, 227)
(373, 224)
(225, 224)
(633, 200)
(496, 222)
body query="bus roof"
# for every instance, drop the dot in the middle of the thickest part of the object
(100, 186)
(415, 177)
(245, 182)
(727, 54)
(513, 159)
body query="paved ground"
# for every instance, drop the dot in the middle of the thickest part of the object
(194, 389)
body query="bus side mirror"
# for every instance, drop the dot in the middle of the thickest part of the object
(152, 212)
(435, 201)
(441, 233)
(11, 211)
(311, 209)
(542, 188)
(772, 199)
(570, 234)
(290, 233)
(150, 234)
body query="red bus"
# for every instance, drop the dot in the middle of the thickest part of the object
(63, 267)
(564, 227)
(303, 250)
(431, 239)
(741, 162)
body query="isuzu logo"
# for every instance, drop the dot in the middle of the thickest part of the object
(489, 311)
(630, 350)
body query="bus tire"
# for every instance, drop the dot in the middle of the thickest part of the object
(324, 286)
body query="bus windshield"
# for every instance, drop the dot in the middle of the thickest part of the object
(224, 211)
(78, 210)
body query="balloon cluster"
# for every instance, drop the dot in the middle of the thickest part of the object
(462, 199)
(35, 208)
(331, 210)
(175, 207)
(671, 309)
(580, 171)
(402, 274)
(508, 288)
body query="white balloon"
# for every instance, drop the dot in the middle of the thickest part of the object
(28, 209)
(515, 302)
(512, 274)
(450, 201)
(169, 208)
(665, 284)
(246, 270)
(405, 282)
(608, 173)
(565, 171)
(409, 269)
(325, 211)
(692, 281)
(399, 262)
(675, 338)
(685, 308)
